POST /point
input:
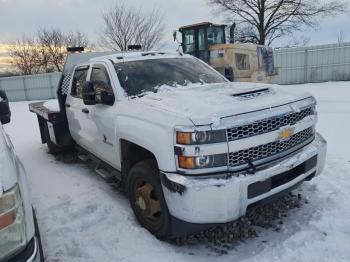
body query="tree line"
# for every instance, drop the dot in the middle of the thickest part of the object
(257, 21)
(46, 51)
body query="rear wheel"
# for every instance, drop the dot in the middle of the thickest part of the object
(146, 198)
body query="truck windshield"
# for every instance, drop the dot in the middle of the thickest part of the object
(139, 77)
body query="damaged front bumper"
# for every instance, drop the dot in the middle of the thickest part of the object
(218, 200)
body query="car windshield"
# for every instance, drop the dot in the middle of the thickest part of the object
(140, 77)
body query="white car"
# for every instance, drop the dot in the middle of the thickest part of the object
(193, 149)
(19, 234)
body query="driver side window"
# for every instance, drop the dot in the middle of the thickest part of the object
(99, 76)
(79, 78)
(102, 85)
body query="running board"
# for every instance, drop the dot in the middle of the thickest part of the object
(101, 168)
(104, 173)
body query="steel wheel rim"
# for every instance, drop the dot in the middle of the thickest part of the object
(147, 202)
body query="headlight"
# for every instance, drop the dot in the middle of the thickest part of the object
(200, 137)
(12, 223)
(200, 162)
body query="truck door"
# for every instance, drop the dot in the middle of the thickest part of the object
(102, 124)
(75, 105)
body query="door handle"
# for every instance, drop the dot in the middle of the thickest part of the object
(85, 110)
(67, 105)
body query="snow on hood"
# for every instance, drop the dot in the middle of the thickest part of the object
(207, 104)
(8, 175)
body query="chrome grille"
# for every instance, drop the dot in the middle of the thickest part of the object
(263, 151)
(267, 125)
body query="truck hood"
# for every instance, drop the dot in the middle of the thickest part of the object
(8, 177)
(207, 104)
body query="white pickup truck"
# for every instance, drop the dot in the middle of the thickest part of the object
(19, 232)
(192, 149)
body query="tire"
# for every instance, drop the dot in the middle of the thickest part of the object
(53, 149)
(38, 237)
(144, 192)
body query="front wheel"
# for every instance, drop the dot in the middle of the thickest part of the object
(146, 198)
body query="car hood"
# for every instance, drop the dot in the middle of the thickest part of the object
(206, 104)
(8, 177)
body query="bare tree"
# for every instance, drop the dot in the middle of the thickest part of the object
(125, 26)
(46, 52)
(263, 21)
(78, 39)
(25, 55)
(53, 47)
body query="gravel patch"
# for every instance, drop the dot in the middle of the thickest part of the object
(221, 239)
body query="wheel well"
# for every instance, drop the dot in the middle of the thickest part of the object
(131, 154)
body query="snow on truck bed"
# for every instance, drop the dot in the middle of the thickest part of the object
(82, 218)
(52, 105)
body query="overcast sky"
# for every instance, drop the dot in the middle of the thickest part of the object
(18, 17)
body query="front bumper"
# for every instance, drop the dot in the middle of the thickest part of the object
(226, 198)
(30, 253)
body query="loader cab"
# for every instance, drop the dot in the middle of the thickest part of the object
(197, 38)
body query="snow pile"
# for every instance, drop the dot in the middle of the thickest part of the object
(82, 218)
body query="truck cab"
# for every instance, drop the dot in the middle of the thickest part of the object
(197, 38)
(192, 149)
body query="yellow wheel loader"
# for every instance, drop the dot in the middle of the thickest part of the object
(242, 62)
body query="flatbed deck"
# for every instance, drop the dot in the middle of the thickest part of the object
(46, 113)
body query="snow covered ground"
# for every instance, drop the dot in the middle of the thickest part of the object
(82, 218)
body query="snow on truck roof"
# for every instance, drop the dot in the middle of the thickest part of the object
(115, 57)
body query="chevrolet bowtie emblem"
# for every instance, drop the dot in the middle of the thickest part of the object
(285, 133)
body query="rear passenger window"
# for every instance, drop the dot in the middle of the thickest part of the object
(79, 78)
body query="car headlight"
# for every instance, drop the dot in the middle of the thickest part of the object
(200, 137)
(12, 223)
(200, 162)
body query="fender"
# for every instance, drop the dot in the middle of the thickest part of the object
(155, 138)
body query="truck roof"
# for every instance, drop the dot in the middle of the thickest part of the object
(114, 56)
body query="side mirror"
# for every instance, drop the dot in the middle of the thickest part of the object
(5, 113)
(89, 95)
(107, 98)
